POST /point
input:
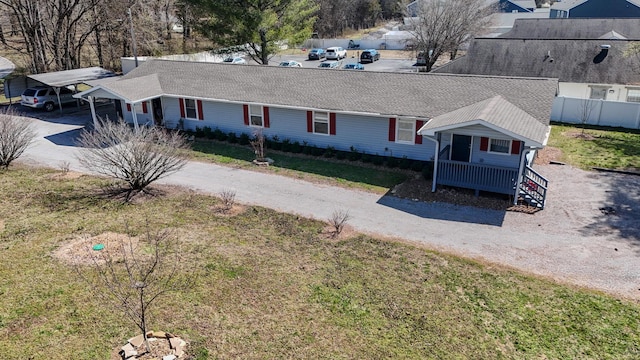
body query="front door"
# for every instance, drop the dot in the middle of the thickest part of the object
(156, 107)
(461, 148)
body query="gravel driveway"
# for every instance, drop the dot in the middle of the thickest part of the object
(572, 240)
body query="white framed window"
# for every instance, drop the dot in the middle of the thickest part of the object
(500, 146)
(406, 131)
(633, 95)
(256, 116)
(598, 93)
(321, 122)
(190, 109)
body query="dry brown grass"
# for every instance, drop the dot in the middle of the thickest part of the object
(274, 286)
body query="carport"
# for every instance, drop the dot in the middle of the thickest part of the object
(56, 80)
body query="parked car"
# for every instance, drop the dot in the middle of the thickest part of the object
(421, 58)
(316, 54)
(353, 66)
(336, 53)
(235, 60)
(290, 63)
(329, 65)
(369, 55)
(44, 97)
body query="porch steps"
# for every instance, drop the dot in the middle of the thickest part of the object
(529, 200)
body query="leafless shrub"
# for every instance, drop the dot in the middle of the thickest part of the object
(257, 143)
(338, 220)
(15, 136)
(137, 157)
(228, 198)
(65, 166)
(137, 272)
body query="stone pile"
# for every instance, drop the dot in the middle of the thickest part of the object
(173, 347)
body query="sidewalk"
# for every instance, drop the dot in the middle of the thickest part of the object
(549, 243)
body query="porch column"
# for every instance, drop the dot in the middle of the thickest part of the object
(93, 111)
(135, 116)
(435, 164)
(523, 156)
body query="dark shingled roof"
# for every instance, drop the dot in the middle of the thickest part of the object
(377, 93)
(581, 61)
(574, 28)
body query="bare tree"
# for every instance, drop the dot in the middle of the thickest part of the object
(228, 198)
(15, 136)
(585, 108)
(137, 157)
(135, 273)
(258, 145)
(443, 25)
(338, 220)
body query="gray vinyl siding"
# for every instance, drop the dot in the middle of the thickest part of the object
(366, 134)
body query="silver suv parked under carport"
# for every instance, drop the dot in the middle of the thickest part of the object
(43, 97)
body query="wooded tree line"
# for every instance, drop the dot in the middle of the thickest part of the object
(68, 34)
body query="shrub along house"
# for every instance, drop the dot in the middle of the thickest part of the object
(413, 115)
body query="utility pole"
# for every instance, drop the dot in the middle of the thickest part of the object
(133, 38)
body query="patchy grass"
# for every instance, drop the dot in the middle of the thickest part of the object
(613, 148)
(271, 285)
(343, 173)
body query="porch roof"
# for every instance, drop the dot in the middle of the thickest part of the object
(496, 113)
(130, 90)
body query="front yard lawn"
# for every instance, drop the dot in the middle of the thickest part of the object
(273, 285)
(316, 169)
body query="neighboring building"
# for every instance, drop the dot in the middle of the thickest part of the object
(595, 9)
(373, 112)
(506, 6)
(597, 83)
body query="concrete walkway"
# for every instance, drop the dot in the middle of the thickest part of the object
(543, 243)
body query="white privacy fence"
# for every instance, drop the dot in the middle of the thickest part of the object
(596, 112)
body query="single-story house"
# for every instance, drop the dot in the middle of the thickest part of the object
(501, 121)
(598, 84)
(595, 9)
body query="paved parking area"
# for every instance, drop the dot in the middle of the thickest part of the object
(384, 64)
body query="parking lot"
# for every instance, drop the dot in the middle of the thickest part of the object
(389, 61)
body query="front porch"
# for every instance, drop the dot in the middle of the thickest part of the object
(531, 187)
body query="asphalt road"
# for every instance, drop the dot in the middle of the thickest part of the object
(552, 243)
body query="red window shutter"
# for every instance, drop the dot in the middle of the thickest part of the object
(265, 119)
(392, 129)
(245, 111)
(332, 123)
(144, 107)
(129, 107)
(419, 124)
(515, 147)
(200, 113)
(182, 113)
(309, 121)
(484, 144)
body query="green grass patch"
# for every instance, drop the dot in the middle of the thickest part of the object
(588, 147)
(354, 175)
(271, 285)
